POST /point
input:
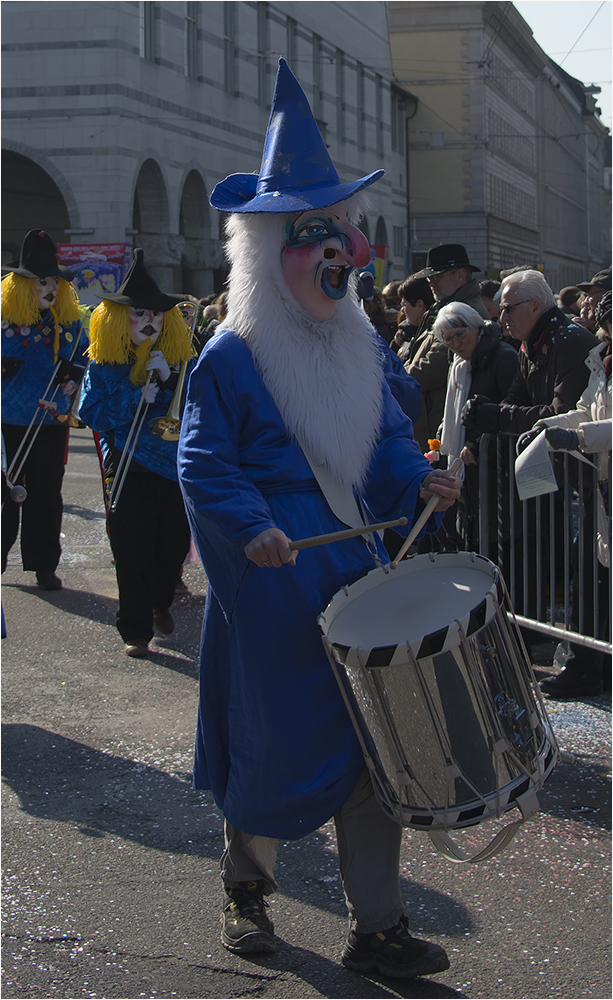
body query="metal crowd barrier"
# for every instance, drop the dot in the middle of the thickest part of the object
(546, 547)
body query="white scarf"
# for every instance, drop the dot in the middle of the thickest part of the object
(325, 377)
(453, 433)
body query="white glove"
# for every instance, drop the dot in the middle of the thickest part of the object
(151, 392)
(69, 387)
(157, 363)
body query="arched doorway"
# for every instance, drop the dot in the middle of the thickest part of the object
(30, 200)
(381, 252)
(151, 220)
(195, 226)
(364, 227)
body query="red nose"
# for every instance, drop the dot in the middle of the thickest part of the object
(361, 249)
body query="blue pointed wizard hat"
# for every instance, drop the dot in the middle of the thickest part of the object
(296, 173)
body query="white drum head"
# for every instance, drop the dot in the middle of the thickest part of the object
(424, 595)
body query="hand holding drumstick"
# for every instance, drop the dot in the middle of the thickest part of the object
(272, 548)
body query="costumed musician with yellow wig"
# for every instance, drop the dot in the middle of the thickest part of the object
(42, 362)
(147, 525)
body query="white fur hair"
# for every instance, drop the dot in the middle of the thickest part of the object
(325, 377)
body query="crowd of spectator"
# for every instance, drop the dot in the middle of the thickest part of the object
(510, 358)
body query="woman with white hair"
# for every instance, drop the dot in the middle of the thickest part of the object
(483, 363)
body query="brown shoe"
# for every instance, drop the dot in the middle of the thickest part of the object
(139, 648)
(162, 621)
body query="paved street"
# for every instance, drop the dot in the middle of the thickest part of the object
(111, 884)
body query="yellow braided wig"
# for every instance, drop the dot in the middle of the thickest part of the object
(109, 339)
(19, 304)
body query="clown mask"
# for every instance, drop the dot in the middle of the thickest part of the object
(46, 290)
(144, 323)
(320, 250)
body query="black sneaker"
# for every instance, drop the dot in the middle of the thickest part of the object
(571, 684)
(245, 928)
(48, 580)
(394, 953)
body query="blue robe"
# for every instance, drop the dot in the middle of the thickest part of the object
(109, 401)
(274, 741)
(34, 344)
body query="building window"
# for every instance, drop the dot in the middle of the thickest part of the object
(191, 40)
(379, 104)
(399, 246)
(291, 29)
(230, 62)
(147, 30)
(262, 53)
(317, 78)
(340, 96)
(398, 123)
(360, 107)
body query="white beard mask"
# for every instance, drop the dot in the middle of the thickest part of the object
(324, 377)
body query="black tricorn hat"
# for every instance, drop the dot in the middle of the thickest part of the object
(140, 291)
(446, 257)
(39, 258)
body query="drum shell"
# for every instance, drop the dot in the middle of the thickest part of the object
(453, 737)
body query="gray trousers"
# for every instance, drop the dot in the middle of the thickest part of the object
(369, 855)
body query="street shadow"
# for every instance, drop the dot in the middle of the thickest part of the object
(332, 980)
(83, 603)
(85, 513)
(579, 789)
(187, 610)
(65, 781)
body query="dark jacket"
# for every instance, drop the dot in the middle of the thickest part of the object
(494, 365)
(428, 362)
(552, 373)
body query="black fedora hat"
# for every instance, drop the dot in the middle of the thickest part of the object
(140, 291)
(446, 257)
(39, 258)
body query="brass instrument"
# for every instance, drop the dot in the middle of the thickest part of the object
(168, 428)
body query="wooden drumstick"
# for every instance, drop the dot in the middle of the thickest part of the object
(338, 536)
(423, 517)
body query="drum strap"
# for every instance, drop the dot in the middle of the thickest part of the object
(528, 804)
(341, 501)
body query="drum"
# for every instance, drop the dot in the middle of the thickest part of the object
(438, 685)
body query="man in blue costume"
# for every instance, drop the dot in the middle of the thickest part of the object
(288, 418)
(42, 350)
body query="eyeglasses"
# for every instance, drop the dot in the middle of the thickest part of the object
(509, 309)
(455, 336)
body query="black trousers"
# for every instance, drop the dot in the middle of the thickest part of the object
(41, 512)
(150, 539)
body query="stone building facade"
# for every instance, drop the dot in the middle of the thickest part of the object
(119, 118)
(507, 153)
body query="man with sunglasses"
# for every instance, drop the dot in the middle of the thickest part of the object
(552, 374)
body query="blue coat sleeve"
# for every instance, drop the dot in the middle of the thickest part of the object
(404, 388)
(209, 455)
(109, 398)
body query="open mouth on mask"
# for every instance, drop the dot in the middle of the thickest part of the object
(335, 280)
